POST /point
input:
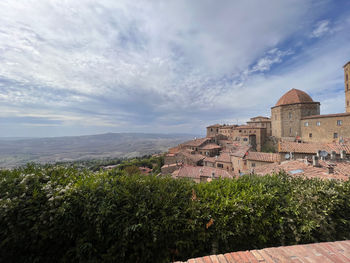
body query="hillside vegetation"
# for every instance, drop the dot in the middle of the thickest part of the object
(66, 214)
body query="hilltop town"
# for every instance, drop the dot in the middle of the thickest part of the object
(296, 139)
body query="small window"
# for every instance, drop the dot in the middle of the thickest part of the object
(217, 130)
(318, 123)
(290, 131)
(220, 165)
(245, 139)
(335, 135)
(310, 135)
(290, 115)
(253, 164)
(211, 129)
(339, 122)
(306, 124)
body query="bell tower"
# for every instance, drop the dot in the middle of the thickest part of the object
(347, 86)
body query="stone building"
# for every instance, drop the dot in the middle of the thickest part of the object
(286, 115)
(261, 122)
(250, 135)
(213, 130)
(347, 86)
(326, 128)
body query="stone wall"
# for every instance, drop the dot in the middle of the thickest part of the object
(285, 119)
(347, 86)
(326, 128)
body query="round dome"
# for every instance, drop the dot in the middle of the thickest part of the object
(294, 96)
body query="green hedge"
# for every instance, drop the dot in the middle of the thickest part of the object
(57, 214)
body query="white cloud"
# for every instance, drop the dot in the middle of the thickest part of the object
(321, 29)
(139, 63)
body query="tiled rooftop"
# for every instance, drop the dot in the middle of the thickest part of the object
(196, 142)
(192, 157)
(337, 252)
(196, 172)
(224, 157)
(210, 146)
(286, 146)
(239, 151)
(326, 116)
(294, 96)
(263, 157)
(302, 168)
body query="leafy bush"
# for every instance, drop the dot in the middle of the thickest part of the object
(60, 214)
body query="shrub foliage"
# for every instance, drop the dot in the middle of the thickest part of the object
(60, 214)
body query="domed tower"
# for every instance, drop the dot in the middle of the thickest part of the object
(288, 111)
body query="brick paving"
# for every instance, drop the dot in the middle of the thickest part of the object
(328, 252)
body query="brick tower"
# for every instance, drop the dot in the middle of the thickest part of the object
(347, 86)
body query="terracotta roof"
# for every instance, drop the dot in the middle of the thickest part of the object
(312, 148)
(224, 157)
(263, 157)
(210, 146)
(195, 172)
(174, 150)
(239, 151)
(302, 168)
(294, 96)
(260, 117)
(170, 165)
(338, 251)
(346, 64)
(214, 126)
(194, 157)
(326, 116)
(210, 159)
(196, 142)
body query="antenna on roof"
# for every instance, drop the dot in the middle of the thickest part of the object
(323, 154)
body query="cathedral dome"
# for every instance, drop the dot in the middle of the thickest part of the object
(294, 96)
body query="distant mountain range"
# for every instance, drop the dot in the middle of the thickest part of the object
(19, 151)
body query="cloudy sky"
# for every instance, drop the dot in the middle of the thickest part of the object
(72, 67)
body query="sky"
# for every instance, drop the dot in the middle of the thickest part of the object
(72, 67)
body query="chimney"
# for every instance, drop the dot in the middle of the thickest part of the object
(315, 161)
(333, 155)
(342, 154)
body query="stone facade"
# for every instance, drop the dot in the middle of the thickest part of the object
(213, 130)
(347, 86)
(286, 115)
(326, 128)
(261, 122)
(249, 135)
